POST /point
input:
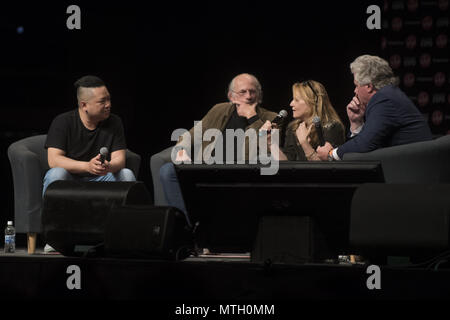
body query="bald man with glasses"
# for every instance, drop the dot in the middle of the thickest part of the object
(243, 111)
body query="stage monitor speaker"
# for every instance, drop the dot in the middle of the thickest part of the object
(75, 213)
(284, 239)
(148, 232)
(290, 239)
(400, 220)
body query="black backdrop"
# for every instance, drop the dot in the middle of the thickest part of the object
(166, 64)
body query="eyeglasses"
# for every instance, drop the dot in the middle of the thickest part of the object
(243, 92)
(308, 83)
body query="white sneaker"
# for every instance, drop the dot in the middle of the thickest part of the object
(48, 249)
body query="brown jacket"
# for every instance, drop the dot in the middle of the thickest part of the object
(218, 117)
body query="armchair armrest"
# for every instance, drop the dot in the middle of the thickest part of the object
(27, 173)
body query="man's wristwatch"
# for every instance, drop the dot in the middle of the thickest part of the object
(330, 155)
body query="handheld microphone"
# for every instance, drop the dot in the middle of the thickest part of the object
(280, 117)
(103, 154)
(318, 125)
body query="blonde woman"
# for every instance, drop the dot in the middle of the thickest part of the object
(310, 99)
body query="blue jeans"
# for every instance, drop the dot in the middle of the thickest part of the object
(171, 186)
(62, 174)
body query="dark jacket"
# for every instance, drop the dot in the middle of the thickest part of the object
(391, 119)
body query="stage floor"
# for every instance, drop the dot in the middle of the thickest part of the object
(207, 278)
(223, 257)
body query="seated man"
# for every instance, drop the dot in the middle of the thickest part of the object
(380, 114)
(243, 111)
(75, 138)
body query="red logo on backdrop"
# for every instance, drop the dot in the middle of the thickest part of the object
(413, 5)
(395, 61)
(397, 24)
(439, 79)
(411, 41)
(441, 41)
(443, 4)
(409, 79)
(437, 117)
(425, 60)
(423, 99)
(427, 23)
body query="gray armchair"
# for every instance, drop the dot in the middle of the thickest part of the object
(28, 159)
(420, 162)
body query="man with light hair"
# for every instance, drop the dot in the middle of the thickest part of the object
(243, 111)
(380, 114)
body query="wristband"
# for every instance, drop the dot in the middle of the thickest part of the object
(330, 155)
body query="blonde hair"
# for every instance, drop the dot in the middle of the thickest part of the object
(315, 96)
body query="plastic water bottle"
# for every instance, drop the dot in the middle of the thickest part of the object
(10, 238)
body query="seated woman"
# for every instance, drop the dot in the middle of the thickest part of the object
(310, 99)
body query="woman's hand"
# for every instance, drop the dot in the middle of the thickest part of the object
(303, 132)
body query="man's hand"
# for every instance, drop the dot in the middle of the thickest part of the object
(266, 128)
(95, 167)
(323, 151)
(182, 156)
(355, 113)
(245, 110)
(107, 165)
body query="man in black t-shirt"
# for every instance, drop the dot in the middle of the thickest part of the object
(75, 138)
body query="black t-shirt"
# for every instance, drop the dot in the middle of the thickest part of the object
(68, 133)
(236, 122)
